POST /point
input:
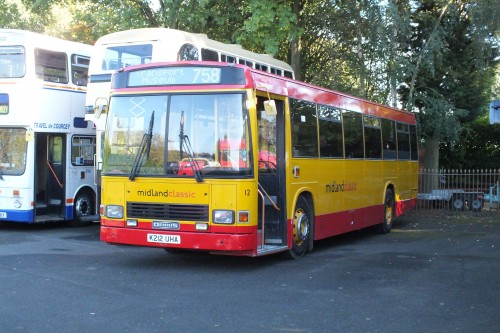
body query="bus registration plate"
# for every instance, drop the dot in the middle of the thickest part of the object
(3, 215)
(164, 239)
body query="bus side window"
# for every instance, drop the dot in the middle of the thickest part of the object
(79, 69)
(403, 135)
(353, 134)
(51, 66)
(413, 143)
(389, 139)
(373, 137)
(209, 55)
(304, 128)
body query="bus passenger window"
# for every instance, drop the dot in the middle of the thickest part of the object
(51, 66)
(413, 143)
(403, 136)
(353, 134)
(188, 52)
(330, 132)
(209, 55)
(304, 129)
(373, 139)
(79, 69)
(389, 139)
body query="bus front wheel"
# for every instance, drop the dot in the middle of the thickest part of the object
(389, 213)
(83, 206)
(302, 228)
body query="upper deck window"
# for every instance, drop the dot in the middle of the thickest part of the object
(51, 66)
(209, 55)
(117, 57)
(79, 69)
(12, 61)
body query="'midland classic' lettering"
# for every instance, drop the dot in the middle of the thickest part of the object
(167, 194)
(341, 187)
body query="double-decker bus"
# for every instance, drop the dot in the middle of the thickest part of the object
(285, 163)
(141, 46)
(46, 146)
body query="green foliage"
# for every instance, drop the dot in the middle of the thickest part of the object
(440, 57)
(479, 147)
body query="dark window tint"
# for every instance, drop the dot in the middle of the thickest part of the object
(373, 144)
(188, 52)
(353, 134)
(403, 141)
(227, 58)
(288, 74)
(304, 129)
(330, 132)
(389, 139)
(209, 55)
(413, 143)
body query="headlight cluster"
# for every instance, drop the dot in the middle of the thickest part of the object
(114, 211)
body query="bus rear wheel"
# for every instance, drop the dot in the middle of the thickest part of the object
(389, 213)
(302, 228)
(82, 207)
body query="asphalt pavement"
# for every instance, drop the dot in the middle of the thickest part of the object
(438, 273)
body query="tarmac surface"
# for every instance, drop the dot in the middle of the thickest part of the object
(432, 273)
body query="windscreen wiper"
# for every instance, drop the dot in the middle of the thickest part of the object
(144, 149)
(192, 161)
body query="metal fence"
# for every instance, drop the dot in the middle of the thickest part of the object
(459, 190)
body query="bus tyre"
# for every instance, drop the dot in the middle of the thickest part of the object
(389, 213)
(82, 207)
(302, 228)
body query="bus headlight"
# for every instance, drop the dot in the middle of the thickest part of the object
(114, 211)
(223, 216)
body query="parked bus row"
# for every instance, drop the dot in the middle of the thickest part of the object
(202, 145)
(49, 152)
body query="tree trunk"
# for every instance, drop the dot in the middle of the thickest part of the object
(295, 47)
(431, 161)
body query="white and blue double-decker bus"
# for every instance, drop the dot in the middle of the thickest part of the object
(46, 147)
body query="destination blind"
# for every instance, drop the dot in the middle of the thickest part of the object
(179, 75)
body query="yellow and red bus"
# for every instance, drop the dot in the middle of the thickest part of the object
(283, 163)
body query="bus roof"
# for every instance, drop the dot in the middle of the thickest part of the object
(24, 37)
(309, 92)
(279, 85)
(167, 34)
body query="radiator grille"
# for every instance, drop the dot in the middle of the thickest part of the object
(167, 211)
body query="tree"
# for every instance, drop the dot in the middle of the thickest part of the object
(452, 72)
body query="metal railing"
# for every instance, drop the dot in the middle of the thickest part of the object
(474, 190)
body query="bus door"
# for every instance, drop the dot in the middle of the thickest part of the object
(49, 174)
(271, 165)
